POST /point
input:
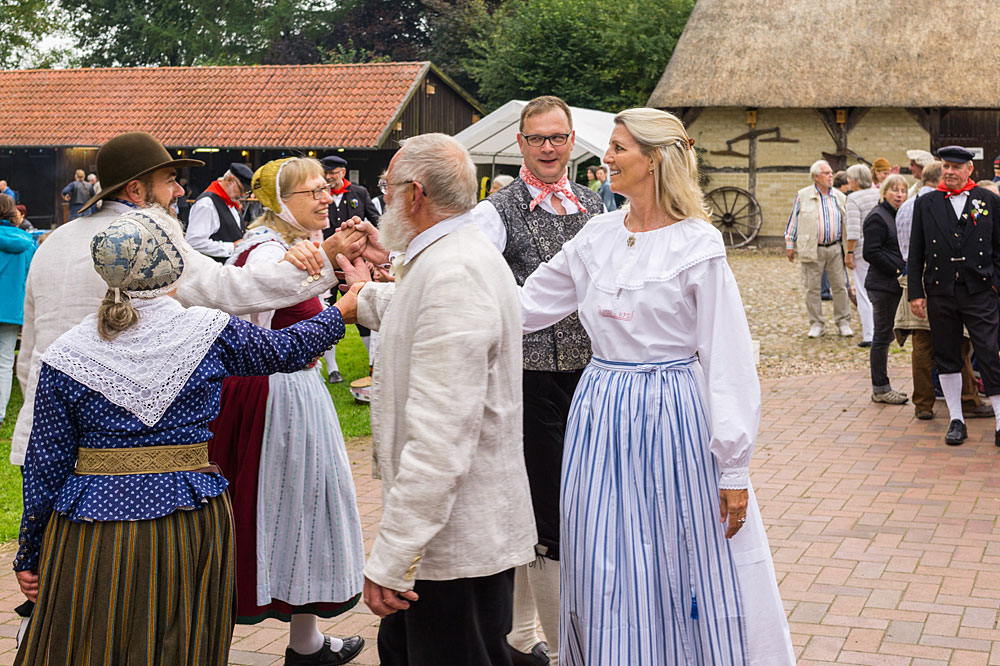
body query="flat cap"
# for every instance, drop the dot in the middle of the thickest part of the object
(331, 162)
(242, 172)
(958, 154)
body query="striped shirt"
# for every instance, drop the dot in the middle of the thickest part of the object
(829, 222)
(904, 221)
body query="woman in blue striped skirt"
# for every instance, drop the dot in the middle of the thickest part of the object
(665, 559)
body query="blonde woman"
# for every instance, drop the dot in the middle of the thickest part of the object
(664, 555)
(278, 440)
(885, 265)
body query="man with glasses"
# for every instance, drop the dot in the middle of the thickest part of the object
(215, 224)
(528, 221)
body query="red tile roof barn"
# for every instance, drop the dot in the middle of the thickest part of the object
(303, 106)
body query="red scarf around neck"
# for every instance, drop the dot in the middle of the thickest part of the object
(950, 193)
(342, 189)
(561, 185)
(217, 188)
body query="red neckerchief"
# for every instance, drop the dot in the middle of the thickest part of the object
(343, 188)
(562, 185)
(217, 188)
(951, 193)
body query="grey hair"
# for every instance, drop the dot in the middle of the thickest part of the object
(861, 175)
(503, 180)
(814, 169)
(444, 169)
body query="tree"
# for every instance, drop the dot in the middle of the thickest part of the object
(391, 28)
(23, 23)
(603, 54)
(452, 30)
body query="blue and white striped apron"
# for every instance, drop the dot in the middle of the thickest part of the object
(647, 573)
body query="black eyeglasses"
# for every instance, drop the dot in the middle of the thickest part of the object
(537, 140)
(317, 194)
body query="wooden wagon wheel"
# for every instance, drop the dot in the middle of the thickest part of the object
(736, 213)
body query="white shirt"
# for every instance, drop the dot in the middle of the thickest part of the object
(203, 221)
(668, 296)
(958, 203)
(425, 238)
(491, 224)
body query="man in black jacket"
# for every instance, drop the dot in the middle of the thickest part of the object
(954, 279)
(349, 200)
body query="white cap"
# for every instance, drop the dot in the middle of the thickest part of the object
(921, 157)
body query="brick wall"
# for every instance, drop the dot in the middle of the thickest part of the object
(885, 133)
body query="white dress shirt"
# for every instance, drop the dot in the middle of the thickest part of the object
(203, 221)
(491, 224)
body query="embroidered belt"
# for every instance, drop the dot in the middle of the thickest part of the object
(143, 460)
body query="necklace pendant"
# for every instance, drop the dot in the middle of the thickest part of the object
(631, 241)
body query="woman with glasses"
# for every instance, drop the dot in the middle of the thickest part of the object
(278, 440)
(663, 551)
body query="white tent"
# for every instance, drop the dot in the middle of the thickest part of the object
(493, 140)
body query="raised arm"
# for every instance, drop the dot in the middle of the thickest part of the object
(549, 294)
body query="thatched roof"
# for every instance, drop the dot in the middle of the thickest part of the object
(836, 53)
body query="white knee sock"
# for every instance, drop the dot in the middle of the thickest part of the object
(995, 401)
(543, 575)
(366, 340)
(304, 637)
(330, 356)
(523, 635)
(951, 386)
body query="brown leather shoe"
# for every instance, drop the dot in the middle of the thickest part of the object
(983, 411)
(925, 415)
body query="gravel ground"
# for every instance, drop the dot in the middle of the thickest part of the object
(775, 306)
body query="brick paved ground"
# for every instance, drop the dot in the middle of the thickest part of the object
(885, 540)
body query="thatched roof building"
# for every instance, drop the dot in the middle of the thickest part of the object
(768, 87)
(808, 54)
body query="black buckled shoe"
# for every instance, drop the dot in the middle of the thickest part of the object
(957, 433)
(325, 656)
(539, 655)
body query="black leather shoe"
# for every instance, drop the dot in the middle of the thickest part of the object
(865, 343)
(325, 656)
(983, 411)
(957, 433)
(996, 438)
(539, 655)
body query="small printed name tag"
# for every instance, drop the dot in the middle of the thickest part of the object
(620, 315)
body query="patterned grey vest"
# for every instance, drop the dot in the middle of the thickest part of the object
(534, 237)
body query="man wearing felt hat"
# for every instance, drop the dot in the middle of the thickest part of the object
(954, 280)
(215, 223)
(136, 171)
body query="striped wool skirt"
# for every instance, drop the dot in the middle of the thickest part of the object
(150, 592)
(647, 573)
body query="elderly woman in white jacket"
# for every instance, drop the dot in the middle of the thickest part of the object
(860, 201)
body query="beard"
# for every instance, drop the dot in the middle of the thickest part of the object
(394, 231)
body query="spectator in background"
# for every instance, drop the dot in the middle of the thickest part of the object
(500, 182)
(16, 249)
(990, 185)
(592, 181)
(77, 193)
(880, 170)
(860, 202)
(379, 201)
(5, 189)
(605, 189)
(183, 201)
(918, 160)
(215, 225)
(23, 222)
(996, 169)
(95, 187)
(840, 182)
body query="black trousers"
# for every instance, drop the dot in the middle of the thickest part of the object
(981, 316)
(547, 397)
(464, 622)
(884, 304)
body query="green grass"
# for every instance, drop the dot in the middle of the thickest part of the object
(10, 475)
(351, 357)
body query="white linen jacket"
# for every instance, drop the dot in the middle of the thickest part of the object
(63, 288)
(447, 414)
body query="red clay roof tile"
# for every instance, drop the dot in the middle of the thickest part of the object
(304, 106)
